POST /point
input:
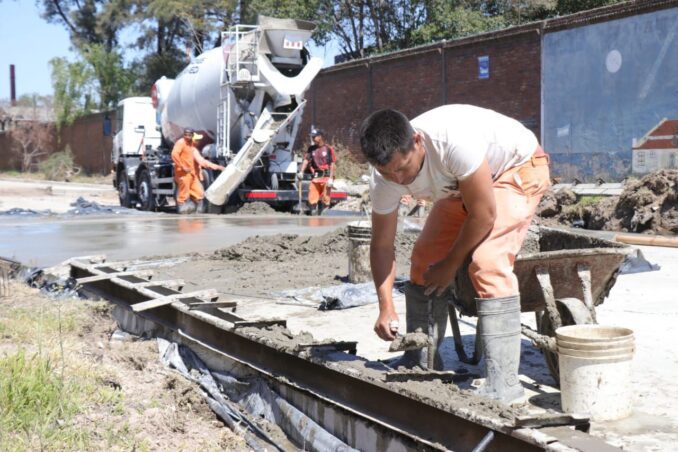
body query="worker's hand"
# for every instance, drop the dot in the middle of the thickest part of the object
(384, 326)
(220, 167)
(439, 276)
(329, 183)
(300, 175)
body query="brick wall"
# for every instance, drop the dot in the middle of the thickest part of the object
(416, 80)
(91, 148)
(513, 87)
(85, 136)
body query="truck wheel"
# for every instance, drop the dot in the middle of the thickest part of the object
(208, 207)
(145, 191)
(123, 190)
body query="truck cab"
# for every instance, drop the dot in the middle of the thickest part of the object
(136, 135)
(135, 127)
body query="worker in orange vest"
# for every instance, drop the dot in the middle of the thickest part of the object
(319, 160)
(187, 172)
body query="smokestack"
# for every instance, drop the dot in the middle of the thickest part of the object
(12, 85)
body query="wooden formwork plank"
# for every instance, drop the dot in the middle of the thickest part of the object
(169, 299)
(213, 304)
(105, 276)
(176, 284)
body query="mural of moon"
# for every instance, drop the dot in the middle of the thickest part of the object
(613, 61)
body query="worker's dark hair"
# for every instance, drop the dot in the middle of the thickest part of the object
(383, 133)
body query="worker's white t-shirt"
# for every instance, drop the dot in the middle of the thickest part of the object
(456, 139)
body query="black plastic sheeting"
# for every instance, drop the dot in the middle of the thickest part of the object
(52, 286)
(228, 397)
(19, 212)
(637, 264)
(81, 206)
(342, 296)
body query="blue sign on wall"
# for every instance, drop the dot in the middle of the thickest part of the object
(484, 67)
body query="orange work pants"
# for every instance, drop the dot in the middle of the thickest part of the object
(517, 193)
(318, 190)
(188, 185)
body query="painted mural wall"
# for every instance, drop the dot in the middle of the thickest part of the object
(604, 86)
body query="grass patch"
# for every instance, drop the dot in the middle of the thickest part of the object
(589, 200)
(59, 166)
(51, 396)
(35, 402)
(33, 325)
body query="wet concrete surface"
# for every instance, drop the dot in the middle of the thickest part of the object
(49, 241)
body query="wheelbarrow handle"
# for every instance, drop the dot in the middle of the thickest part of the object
(458, 344)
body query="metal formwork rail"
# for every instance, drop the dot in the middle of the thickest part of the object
(422, 425)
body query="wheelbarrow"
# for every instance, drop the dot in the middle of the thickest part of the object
(562, 277)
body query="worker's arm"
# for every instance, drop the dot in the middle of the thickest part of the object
(382, 261)
(304, 164)
(333, 158)
(478, 196)
(204, 163)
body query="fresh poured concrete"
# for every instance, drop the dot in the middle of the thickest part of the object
(40, 241)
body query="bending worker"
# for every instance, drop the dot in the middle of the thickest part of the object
(485, 173)
(319, 161)
(188, 174)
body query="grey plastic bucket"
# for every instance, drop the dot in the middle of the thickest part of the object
(359, 238)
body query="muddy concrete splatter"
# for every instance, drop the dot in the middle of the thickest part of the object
(286, 247)
(409, 341)
(258, 208)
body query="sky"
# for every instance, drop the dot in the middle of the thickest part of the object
(29, 42)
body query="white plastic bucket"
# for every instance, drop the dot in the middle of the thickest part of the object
(595, 370)
(359, 238)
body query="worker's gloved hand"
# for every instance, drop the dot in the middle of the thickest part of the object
(300, 175)
(329, 183)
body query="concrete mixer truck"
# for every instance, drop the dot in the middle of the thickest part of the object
(246, 98)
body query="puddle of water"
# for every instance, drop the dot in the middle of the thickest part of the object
(44, 243)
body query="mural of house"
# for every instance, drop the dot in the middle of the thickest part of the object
(658, 149)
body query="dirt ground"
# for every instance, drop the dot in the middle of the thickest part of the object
(42, 195)
(647, 205)
(123, 397)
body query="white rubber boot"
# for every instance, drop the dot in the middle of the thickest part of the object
(428, 314)
(499, 324)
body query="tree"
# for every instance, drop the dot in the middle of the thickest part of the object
(31, 139)
(89, 21)
(573, 6)
(114, 81)
(72, 84)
